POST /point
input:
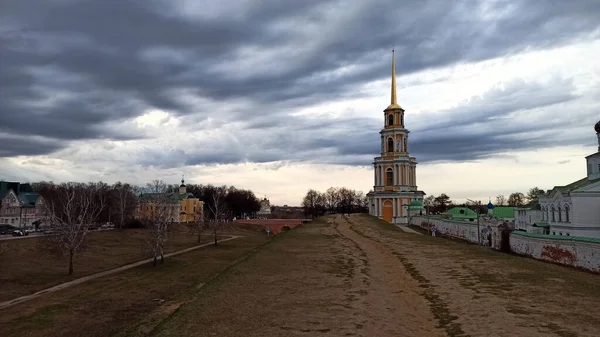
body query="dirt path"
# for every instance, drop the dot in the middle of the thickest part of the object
(10, 303)
(393, 304)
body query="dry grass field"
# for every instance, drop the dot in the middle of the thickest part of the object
(27, 266)
(131, 301)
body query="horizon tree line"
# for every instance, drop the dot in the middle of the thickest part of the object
(334, 200)
(442, 202)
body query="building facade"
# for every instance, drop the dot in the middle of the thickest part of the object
(529, 218)
(20, 206)
(191, 208)
(574, 209)
(174, 207)
(265, 209)
(395, 171)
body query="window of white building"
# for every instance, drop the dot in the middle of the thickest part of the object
(559, 214)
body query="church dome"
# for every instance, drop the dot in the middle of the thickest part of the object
(416, 203)
(597, 127)
(490, 205)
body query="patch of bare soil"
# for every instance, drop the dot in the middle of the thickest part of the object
(478, 292)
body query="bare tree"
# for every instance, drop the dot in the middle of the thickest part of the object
(516, 199)
(332, 198)
(158, 208)
(70, 210)
(218, 211)
(124, 198)
(199, 223)
(533, 193)
(500, 200)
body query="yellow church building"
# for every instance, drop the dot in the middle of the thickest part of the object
(179, 206)
(395, 171)
(191, 208)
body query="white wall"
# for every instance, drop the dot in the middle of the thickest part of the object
(569, 252)
(586, 214)
(461, 229)
(525, 221)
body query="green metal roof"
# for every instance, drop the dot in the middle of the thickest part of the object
(574, 185)
(558, 237)
(186, 196)
(501, 212)
(535, 204)
(541, 224)
(415, 205)
(461, 213)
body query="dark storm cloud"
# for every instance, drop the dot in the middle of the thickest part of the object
(72, 68)
(19, 146)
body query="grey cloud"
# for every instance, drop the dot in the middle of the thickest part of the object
(114, 59)
(24, 146)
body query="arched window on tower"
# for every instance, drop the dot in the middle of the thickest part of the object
(389, 177)
(391, 119)
(405, 146)
(567, 213)
(402, 119)
(553, 213)
(390, 145)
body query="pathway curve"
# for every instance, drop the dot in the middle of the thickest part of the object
(14, 301)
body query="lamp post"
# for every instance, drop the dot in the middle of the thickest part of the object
(428, 224)
(477, 212)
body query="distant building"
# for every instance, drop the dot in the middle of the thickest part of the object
(574, 209)
(287, 212)
(20, 206)
(190, 207)
(504, 213)
(265, 209)
(490, 208)
(529, 218)
(460, 213)
(179, 206)
(416, 208)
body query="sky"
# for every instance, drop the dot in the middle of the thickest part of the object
(283, 96)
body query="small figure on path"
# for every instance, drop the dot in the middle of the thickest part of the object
(433, 230)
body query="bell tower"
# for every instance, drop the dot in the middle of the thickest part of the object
(395, 182)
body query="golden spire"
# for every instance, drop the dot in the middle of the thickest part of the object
(393, 103)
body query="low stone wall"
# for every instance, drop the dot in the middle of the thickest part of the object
(569, 250)
(574, 251)
(464, 230)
